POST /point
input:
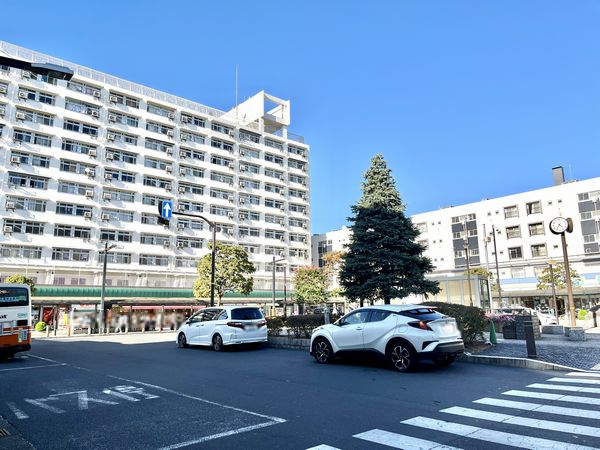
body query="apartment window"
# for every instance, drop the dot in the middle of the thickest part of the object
(472, 233)
(515, 253)
(20, 251)
(191, 171)
(249, 152)
(511, 211)
(160, 111)
(294, 164)
(20, 226)
(274, 188)
(27, 181)
(274, 159)
(117, 258)
(36, 117)
(250, 168)
(84, 88)
(120, 175)
(218, 143)
(297, 179)
(273, 144)
(247, 199)
(221, 161)
(193, 120)
(250, 249)
(221, 128)
(120, 156)
(250, 137)
(72, 232)
(191, 224)
(224, 228)
(124, 138)
(119, 215)
(193, 154)
(38, 96)
(539, 250)
(274, 174)
(154, 239)
(28, 204)
(271, 218)
(70, 209)
(517, 272)
(157, 164)
(297, 193)
(191, 206)
(74, 188)
(76, 167)
(459, 253)
(183, 242)
(150, 219)
(159, 128)
(124, 100)
(81, 107)
(274, 234)
(77, 147)
(298, 223)
(123, 119)
(79, 127)
(536, 229)
(219, 193)
(30, 159)
(248, 183)
(221, 177)
(120, 196)
(116, 235)
(190, 188)
(249, 215)
(221, 211)
(294, 237)
(533, 207)
(248, 232)
(161, 146)
(296, 150)
(32, 138)
(297, 208)
(191, 137)
(70, 254)
(152, 200)
(183, 262)
(513, 232)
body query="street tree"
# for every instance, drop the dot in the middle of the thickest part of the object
(544, 280)
(21, 279)
(383, 259)
(310, 286)
(233, 272)
(332, 262)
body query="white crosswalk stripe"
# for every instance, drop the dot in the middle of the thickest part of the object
(575, 380)
(584, 374)
(537, 407)
(400, 441)
(562, 387)
(497, 437)
(323, 447)
(558, 397)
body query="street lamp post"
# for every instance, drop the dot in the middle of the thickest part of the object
(275, 261)
(497, 268)
(107, 248)
(466, 246)
(551, 263)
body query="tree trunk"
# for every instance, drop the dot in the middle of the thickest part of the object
(386, 300)
(362, 302)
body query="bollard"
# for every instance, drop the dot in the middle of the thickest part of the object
(529, 337)
(326, 315)
(594, 316)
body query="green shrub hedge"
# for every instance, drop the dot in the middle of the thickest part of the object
(40, 326)
(274, 325)
(302, 326)
(470, 320)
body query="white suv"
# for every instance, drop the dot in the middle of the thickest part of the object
(405, 334)
(222, 326)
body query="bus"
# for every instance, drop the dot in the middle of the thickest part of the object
(15, 319)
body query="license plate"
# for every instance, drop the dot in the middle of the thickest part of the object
(251, 328)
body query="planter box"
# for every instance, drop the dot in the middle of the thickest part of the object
(509, 332)
(576, 334)
(553, 329)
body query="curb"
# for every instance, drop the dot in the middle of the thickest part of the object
(523, 363)
(96, 335)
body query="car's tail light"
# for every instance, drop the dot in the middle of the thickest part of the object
(422, 325)
(236, 325)
(262, 323)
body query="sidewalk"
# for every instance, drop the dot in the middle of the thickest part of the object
(554, 349)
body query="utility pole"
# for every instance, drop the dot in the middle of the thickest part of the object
(497, 268)
(102, 321)
(466, 245)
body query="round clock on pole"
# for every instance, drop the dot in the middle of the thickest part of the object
(560, 225)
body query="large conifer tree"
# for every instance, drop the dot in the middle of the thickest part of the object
(384, 261)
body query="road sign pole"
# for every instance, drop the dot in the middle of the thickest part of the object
(213, 265)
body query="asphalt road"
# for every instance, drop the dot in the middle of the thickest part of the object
(68, 394)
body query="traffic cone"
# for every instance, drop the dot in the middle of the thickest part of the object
(493, 333)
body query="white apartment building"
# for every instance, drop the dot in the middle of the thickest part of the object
(524, 242)
(86, 160)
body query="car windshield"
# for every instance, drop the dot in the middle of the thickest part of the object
(246, 314)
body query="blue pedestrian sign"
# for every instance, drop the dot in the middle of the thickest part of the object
(166, 209)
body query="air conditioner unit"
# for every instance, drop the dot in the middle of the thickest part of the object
(180, 244)
(182, 154)
(169, 151)
(303, 182)
(92, 153)
(105, 216)
(3, 89)
(181, 208)
(229, 231)
(7, 229)
(110, 156)
(282, 208)
(169, 169)
(186, 119)
(243, 168)
(113, 98)
(89, 193)
(182, 171)
(166, 244)
(97, 94)
(181, 190)
(22, 95)
(87, 214)
(93, 112)
(10, 205)
(106, 196)
(111, 137)
(242, 184)
(112, 118)
(108, 176)
(305, 226)
(231, 133)
(181, 226)
(230, 216)
(2, 111)
(20, 116)
(242, 153)
(303, 240)
(282, 178)
(90, 172)
(171, 116)
(243, 216)
(242, 200)
(282, 238)
(15, 160)
(282, 222)
(168, 187)
(183, 137)
(26, 74)
(170, 133)
(231, 199)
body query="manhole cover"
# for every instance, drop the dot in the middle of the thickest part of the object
(4, 432)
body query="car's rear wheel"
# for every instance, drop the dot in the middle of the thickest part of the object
(444, 361)
(401, 356)
(181, 341)
(322, 351)
(217, 343)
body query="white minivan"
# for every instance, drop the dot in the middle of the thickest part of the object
(224, 325)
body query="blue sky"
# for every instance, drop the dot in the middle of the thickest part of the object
(466, 99)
